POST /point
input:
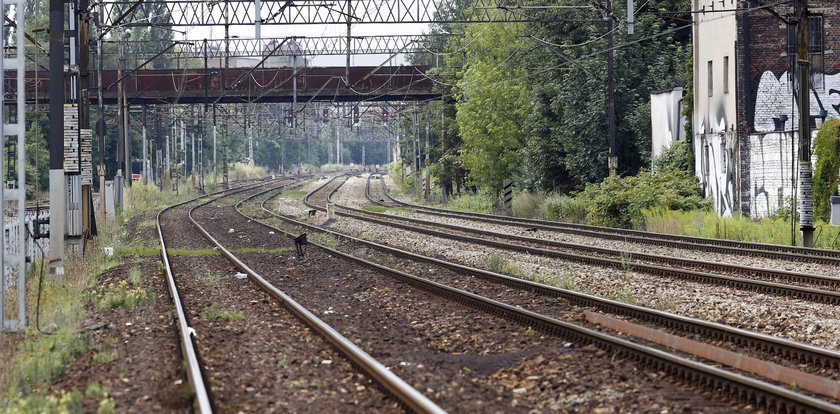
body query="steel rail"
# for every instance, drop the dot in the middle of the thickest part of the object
(806, 293)
(734, 385)
(823, 280)
(767, 250)
(781, 347)
(193, 369)
(404, 393)
(758, 285)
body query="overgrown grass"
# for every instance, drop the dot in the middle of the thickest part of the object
(246, 172)
(529, 205)
(564, 208)
(293, 194)
(480, 202)
(497, 263)
(214, 312)
(375, 209)
(135, 276)
(141, 198)
(708, 224)
(26, 372)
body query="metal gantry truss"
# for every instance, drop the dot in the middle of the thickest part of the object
(295, 46)
(249, 12)
(13, 188)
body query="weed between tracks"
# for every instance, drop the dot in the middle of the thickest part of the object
(214, 312)
(497, 263)
(293, 194)
(120, 295)
(140, 251)
(375, 209)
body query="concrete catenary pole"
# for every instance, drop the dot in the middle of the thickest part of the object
(57, 181)
(806, 179)
(612, 160)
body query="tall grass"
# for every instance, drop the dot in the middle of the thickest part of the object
(703, 223)
(141, 198)
(529, 205)
(246, 172)
(564, 208)
(480, 202)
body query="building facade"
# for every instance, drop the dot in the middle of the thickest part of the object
(745, 113)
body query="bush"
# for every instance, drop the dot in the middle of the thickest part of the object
(677, 157)
(827, 149)
(528, 205)
(480, 201)
(565, 208)
(619, 201)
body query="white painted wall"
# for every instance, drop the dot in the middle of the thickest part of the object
(714, 38)
(714, 120)
(774, 99)
(773, 160)
(666, 120)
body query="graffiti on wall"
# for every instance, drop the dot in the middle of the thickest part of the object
(774, 99)
(770, 171)
(714, 167)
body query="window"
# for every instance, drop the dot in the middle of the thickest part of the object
(816, 51)
(710, 73)
(726, 74)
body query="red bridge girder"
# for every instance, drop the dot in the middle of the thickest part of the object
(217, 85)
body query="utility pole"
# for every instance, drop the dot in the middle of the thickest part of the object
(806, 178)
(100, 111)
(88, 218)
(612, 160)
(56, 95)
(144, 170)
(215, 175)
(121, 140)
(426, 162)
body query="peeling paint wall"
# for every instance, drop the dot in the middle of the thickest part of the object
(714, 164)
(666, 120)
(773, 164)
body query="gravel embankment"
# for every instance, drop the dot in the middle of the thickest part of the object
(804, 321)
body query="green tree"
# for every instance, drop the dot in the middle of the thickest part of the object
(493, 106)
(568, 137)
(827, 149)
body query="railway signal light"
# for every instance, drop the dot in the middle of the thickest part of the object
(326, 113)
(290, 117)
(356, 114)
(385, 112)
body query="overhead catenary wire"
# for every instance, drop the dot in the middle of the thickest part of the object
(595, 53)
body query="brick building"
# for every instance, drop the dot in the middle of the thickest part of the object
(745, 113)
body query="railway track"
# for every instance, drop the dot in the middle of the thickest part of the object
(764, 250)
(755, 279)
(192, 366)
(404, 394)
(798, 352)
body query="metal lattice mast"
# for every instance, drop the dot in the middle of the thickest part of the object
(12, 252)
